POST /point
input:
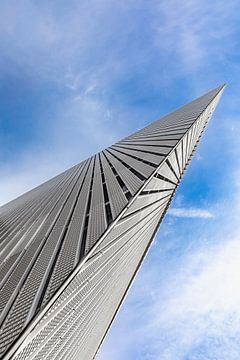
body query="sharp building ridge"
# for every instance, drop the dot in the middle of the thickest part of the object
(71, 247)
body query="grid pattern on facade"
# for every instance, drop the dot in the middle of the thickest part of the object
(69, 243)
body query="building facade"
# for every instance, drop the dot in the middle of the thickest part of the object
(70, 248)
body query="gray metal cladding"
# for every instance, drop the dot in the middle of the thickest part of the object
(142, 169)
(154, 148)
(152, 157)
(68, 244)
(130, 180)
(117, 194)
(97, 217)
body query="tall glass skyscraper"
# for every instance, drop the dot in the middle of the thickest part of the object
(70, 248)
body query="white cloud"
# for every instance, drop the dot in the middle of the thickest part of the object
(201, 312)
(190, 213)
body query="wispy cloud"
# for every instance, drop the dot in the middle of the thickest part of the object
(190, 213)
(197, 32)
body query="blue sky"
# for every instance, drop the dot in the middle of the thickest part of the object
(75, 76)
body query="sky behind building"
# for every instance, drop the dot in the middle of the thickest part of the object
(76, 77)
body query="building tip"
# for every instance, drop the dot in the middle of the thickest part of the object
(220, 87)
(223, 86)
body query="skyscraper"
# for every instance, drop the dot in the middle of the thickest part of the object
(70, 248)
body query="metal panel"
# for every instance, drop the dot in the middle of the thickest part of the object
(22, 267)
(117, 197)
(70, 250)
(97, 217)
(167, 173)
(138, 165)
(149, 157)
(131, 180)
(175, 164)
(151, 148)
(143, 202)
